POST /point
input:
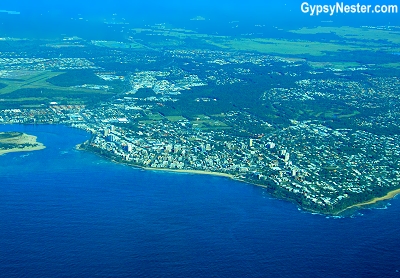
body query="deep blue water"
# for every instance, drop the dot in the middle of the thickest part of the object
(68, 213)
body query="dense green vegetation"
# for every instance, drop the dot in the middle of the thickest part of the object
(145, 92)
(76, 78)
(9, 135)
(82, 77)
(244, 96)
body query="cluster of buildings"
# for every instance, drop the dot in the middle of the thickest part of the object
(40, 64)
(341, 164)
(159, 82)
(51, 114)
(322, 168)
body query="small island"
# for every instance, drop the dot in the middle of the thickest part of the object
(18, 142)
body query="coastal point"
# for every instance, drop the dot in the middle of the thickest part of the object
(18, 142)
(297, 116)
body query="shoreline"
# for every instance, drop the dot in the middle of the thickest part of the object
(26, 149)
(390, 195)
(23, 139)
(198, 172)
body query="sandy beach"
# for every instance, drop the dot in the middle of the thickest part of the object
(23, 139)
(199, 172)
(388, 196)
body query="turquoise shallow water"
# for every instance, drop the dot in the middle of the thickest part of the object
(68, 213)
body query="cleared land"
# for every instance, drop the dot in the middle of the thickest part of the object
(22, 87)
(116, 44)
(27, 79)
(352, 33)
(283, 47)
(348, 39)
(335, 65)
(34, 80)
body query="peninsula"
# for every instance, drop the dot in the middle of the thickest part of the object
(18, 142)
(308, 117)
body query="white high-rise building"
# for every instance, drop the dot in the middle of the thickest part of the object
(270, 145)
(287, 157)
(129, 147)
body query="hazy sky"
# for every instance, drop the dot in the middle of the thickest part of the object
(277, 13)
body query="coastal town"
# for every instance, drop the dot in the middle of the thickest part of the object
(199, 139)
(324, 161)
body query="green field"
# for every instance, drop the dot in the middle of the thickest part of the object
(355, 113)
(348, 39)
(334, 65)
(27, 79)
(209, 124)
(34, 80)
(283, 47)
(352, 33)
(329, 114)
(155, 117)
(116, 44)
(32, 88)
(391, 65)
(175, 118)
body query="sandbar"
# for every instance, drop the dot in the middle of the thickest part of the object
(20, 140)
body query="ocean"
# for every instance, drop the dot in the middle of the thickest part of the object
(70, 213)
